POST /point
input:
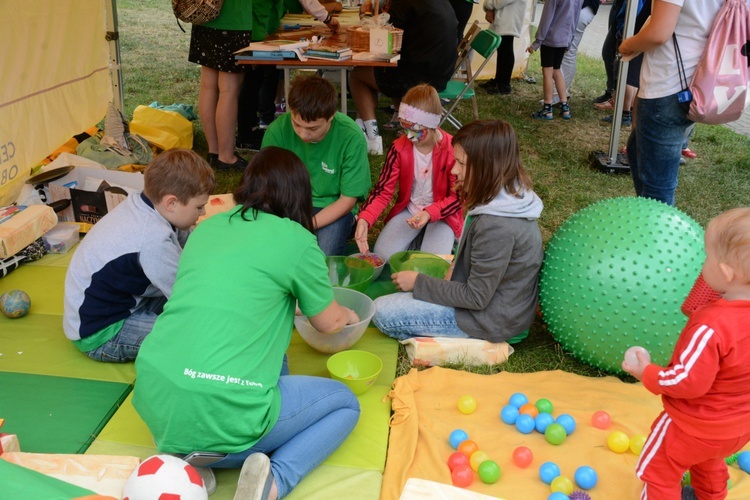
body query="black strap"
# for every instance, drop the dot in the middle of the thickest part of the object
(680, 66)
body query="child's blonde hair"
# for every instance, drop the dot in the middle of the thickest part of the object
(179, 172)
(730, 233)
(426, 98)
(493, 162)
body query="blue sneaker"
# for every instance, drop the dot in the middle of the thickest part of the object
(625, 121)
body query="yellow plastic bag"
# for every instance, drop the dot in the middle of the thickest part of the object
(166, 129)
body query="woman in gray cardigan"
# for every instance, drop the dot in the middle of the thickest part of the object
(491, 291)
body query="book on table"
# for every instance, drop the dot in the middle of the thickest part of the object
(273, 50)
(329, 55)
(373, 56)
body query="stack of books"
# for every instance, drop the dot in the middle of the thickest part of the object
(272, 50)
(328, 52)
(373, 56)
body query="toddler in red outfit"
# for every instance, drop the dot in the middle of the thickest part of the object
(704, 388)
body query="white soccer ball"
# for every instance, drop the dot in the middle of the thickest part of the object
(163, 477)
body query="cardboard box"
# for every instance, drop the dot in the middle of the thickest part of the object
(20, 225)
(93, 192)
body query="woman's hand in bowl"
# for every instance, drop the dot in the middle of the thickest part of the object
(404, 280)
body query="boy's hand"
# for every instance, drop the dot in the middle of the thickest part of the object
(404, 280)
(642, 360)
(530, 49)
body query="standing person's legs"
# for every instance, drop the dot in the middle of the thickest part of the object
(226, 114)
(267, 93)
(438, 238)
(655, 147)
(364, 92)
(332, 238)
(401, 316)
(463, 9)
(317, 415)
(506, 60)
(609, 51)
(395, 236)
(568, 66)
(247, 106)
(207, 99)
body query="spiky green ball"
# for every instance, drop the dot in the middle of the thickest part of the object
(615, 275)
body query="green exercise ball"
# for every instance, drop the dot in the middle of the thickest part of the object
(615, 275)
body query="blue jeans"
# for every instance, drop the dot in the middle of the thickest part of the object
(401, 316)
(317, 414)
(332, 238)
(655, 147)
(124, 346)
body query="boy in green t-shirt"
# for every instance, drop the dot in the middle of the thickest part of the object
(333, 149)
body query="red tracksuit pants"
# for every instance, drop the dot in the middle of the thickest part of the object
(669, 452)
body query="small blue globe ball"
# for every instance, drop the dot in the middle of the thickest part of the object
(548, 471)
(15, 304)
(457, 437)
(568, 422)
(586, 477)
(518, 399)
(525, 423)
(509, 414)
(743, 461)
(542, 421)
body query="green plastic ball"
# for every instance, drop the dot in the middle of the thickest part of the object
(489, 472)
(555, 434)
(615, 275)
(544, 405)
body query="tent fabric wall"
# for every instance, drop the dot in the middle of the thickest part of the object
(55, 80)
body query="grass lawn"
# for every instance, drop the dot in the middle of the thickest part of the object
(556, 153)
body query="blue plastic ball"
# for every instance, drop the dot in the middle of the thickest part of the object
(518, 399)
(525, 423)
(586, 477)
(548, 471)
(509, 414)
(542, 421)
(615, 275)
(568, 422)
(457, 437)
(743, 461)
(558, 495)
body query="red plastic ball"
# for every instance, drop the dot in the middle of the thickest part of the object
(601, 420)
(462, 476)
(522, 457)
(457, 459)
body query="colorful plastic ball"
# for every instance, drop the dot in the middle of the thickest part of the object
(562, 484)
(618, 442)
(518, 399)
(743, 461)
(615, 274)
(542, 421)
(523, 456)
(528, 409)
(468, 447)
(636, 443)
(509, 414)
(476, 459)
(568, 422)
(456, 437)
(630, 355)
(467, 404)
(548, 471)
(601, 420)
(544, 405)
(586, 477)
(457, 458)
(15, 304)
(525, 424)
(489, 472)
(556, 495)
(555, 434)
(462, 476)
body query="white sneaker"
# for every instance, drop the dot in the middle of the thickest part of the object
(256, 478)
(374, 145)
(209, 479)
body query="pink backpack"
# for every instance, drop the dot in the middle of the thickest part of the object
(721, 81)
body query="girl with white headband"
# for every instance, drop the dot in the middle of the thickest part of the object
(427, 215)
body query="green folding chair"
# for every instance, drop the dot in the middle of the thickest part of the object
(485, 44)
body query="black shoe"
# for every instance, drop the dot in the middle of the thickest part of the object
(252, 142)
(606, 96)
(240, 164)
(499, 90)
(491, 83)
(212, 158)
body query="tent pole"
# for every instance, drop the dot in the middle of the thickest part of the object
(113, 37)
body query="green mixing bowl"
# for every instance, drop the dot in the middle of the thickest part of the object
(357, 369)
(422, 262)
(349, 272)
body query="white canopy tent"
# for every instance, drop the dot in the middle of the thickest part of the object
(60, 69)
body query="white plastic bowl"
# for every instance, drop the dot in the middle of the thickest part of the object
(378, 269)
(350, 334)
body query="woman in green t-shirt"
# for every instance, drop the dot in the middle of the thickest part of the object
(212, 381)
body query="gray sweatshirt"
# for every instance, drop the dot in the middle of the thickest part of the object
(558, 23)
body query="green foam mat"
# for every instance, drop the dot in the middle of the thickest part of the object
(20, 482)
(43, 284)
(36, 344)
(57, 414)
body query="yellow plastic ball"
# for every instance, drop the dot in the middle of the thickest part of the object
(618, 442)
(636, 443)
(562, 484)
(467, 404)
(477, 458)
